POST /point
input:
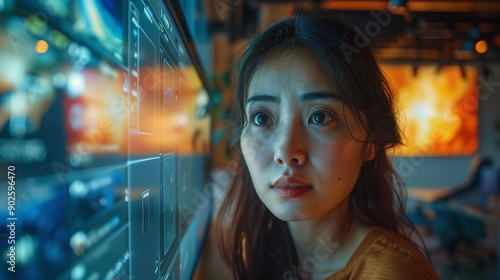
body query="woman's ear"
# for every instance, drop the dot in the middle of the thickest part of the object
(369, 152)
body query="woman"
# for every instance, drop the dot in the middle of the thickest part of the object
(314, 196)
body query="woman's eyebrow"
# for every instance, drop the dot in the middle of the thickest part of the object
(305, 97)
(263, 98)
(318, 95)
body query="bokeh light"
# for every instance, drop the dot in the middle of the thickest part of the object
(42, 46)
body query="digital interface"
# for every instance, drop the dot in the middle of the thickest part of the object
(104, 141)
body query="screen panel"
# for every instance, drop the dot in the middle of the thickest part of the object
(437, 109)
(104, 125)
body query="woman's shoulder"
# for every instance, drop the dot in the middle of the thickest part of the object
(380, 239)
(384, 254)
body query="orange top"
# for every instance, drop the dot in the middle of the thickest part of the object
(386, 255)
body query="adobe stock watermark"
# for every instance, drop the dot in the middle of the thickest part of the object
(215, 189)
(325, 248)
(363, 37)
(488, 86)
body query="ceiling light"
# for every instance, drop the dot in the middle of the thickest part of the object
(481, 47)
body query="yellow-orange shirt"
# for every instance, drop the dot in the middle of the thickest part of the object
(386, 255)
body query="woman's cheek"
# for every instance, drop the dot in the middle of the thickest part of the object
(254, 146)
(248, 148)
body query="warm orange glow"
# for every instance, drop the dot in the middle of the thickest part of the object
(41, 46)
(481, 47)
(438, 110)
(96, 122)
(190, 126)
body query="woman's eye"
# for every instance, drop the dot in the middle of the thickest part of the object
(261, 119)
(321, 117)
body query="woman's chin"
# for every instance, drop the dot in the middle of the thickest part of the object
(291, 216)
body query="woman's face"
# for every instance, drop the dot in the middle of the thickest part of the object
(298, 144)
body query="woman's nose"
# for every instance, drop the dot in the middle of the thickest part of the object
(290, 149)
(290, 157)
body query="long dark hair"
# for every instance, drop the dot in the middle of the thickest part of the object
(254, 243)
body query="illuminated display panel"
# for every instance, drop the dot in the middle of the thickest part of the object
(103, 113)
(30, 104)
(95, 123)
(101, 22)
(438, 109)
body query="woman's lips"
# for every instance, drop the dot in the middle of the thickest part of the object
(291, 191)
(291, 186)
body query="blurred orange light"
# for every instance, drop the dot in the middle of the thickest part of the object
(481, 47)
(41, 46)
(438, 110)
